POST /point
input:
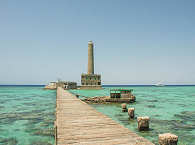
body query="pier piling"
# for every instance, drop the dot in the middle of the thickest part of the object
(167, 139)
(131, 112)
(143, 123)
(124, 107)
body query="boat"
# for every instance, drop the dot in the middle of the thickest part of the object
(159, 84)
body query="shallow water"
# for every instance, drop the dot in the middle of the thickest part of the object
(171, 109)
(26, 115)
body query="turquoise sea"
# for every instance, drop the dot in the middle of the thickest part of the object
(170, 108)
(27, 113)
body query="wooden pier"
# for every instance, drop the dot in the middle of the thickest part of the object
(80, 124)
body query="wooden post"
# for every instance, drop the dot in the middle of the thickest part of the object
(124, 107)
(143, 123)
(167, 139)
(131, 112)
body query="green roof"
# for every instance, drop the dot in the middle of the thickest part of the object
(121, 90)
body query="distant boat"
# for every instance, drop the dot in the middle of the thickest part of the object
(159, 84)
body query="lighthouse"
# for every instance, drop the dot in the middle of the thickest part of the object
(90, 58)
(91, 80)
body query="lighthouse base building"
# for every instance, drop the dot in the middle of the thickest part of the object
(91, 81)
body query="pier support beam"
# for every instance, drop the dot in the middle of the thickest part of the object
(167, 139)
(124, 107)
(131, 113)
(132, 98)
(143, 123)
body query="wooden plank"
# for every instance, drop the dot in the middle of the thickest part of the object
(77, 123)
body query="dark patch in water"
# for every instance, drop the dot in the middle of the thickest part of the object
(40, 143)
(16, 129)
(30, 104)
(186, 115)
(178, 127)
(1, 107)
(185, 127)
(47, 122)
(151, 106)
(186, 139)
(8, 141)
(45, 132)
(157, 115)
(152, 100)
(34, 117)
(3, 101)
(119, 115)
(183, 105)
(36, 120)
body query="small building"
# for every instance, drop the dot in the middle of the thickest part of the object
(63, 84)
(67, 85)
(70, 85)
(121, 93)
(116, 96)
(51, 86)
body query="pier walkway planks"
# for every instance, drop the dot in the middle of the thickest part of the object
(80, 124)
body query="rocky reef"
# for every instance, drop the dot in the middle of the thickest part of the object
(8, 141)
(107, 99)
(37, 124)
(40, 143)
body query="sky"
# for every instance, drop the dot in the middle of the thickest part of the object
(135, 42)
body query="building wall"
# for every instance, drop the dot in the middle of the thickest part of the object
(67, 85)
(90, 87)
(90, 80)
(70, 85)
